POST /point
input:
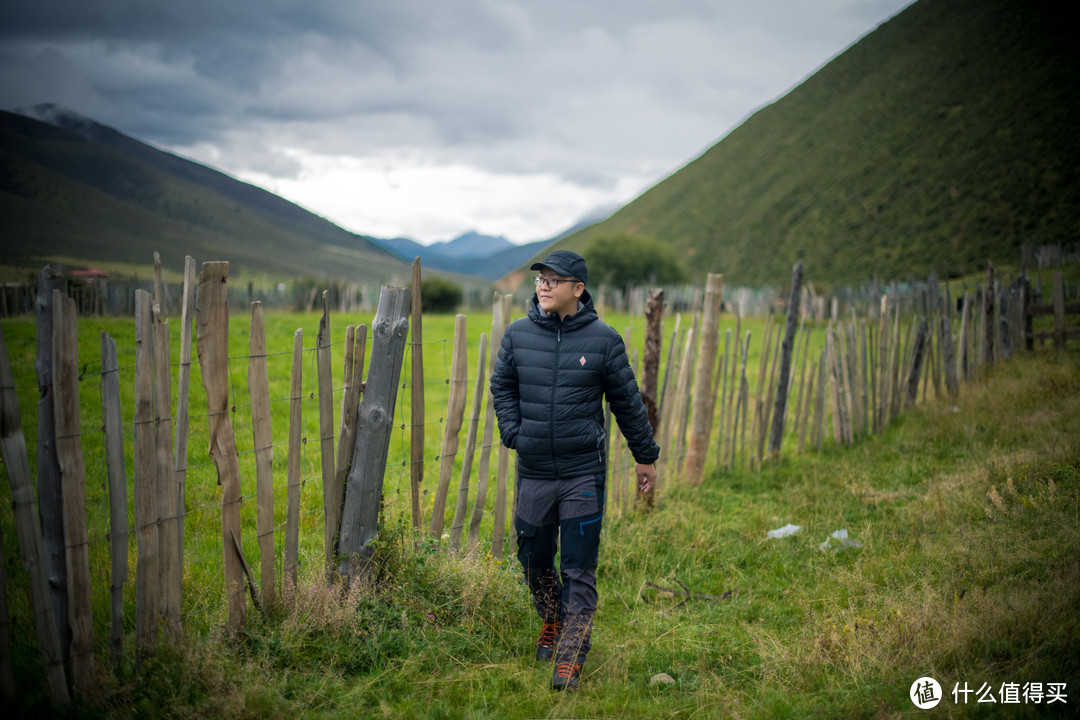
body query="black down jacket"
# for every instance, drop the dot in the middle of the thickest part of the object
(548, 388)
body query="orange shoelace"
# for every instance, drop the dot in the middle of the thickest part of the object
(548, 633)
(567, 670)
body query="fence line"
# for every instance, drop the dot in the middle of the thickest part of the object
(865, 374)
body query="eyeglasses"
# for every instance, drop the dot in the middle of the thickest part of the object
(550, 282)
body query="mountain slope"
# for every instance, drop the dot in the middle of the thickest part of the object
(78, 190)
(944, 138)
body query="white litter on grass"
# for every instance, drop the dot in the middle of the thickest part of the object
(661, 679)
(844, 543)
(788, 529)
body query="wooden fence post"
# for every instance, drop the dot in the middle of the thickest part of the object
(1057, 298)
(147, 572)
(157, 280)
(499, 529)
(73, 479)
(680, 405)
(462, 505)
(187, 315)
(725, 362)
(350, 404)
(50, 497)
(172, 575)
(917, 362)
(706, 361)
(332, 494)
(213, 348)
(653, 341)
(988, 317)
(118, 514)
(881, 407)
(777, 435)
(263, 438)
(363, 492)
(295, 477)
(455, 410)
(483, 468)
(8, 693)
(27, 524)
(416, 406)
(962, 355)
(740, 396)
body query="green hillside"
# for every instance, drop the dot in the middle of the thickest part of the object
(943, 139)
(100, 197)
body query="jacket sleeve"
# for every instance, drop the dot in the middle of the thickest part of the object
(621, 390)
(504, 393)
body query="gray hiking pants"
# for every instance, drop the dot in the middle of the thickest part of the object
(569, 513)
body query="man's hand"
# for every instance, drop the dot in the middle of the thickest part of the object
(646, 477)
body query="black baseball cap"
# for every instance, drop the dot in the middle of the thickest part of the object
(566, 263)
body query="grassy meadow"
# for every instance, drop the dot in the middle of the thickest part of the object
(967, 513)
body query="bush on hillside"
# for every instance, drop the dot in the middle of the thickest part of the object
(623, 259)
(440, 295)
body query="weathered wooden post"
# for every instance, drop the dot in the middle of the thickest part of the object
(462, 506)
(50, 497)
(777, 434)
(294, 476)
(651, 374)
(172, 575)
(503, 469)
(355, 349)
(147, 572)
(455, 410)
(756, 431)
(706, 361)
(118, 515)
(416, 406)
(331, 490)
(27, 524)
(725, 361)
(263, 439)
(363, 492)
(1057, 298)
(988, 317)
(917, 362)
(213, 348)
(650, 377)
(187, 315)
(8, 693)
(73, 479)
(483, 469)
(740, 396)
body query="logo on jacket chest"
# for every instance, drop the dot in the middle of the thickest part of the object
(582, 361)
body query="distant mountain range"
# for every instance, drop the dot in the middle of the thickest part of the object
(486, 256)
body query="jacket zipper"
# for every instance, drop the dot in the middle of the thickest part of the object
(554, 386)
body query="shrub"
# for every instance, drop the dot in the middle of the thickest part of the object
(440, 295)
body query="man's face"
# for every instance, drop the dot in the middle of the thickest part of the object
(557, 293)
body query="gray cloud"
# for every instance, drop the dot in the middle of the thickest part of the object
(592, 93)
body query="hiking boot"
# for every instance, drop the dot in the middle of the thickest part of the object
(545, 645)
(567, 676)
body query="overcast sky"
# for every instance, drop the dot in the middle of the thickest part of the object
(427, 118)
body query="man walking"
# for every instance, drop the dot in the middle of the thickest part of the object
(554, 370)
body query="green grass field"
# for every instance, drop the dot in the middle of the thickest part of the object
(968, 516)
